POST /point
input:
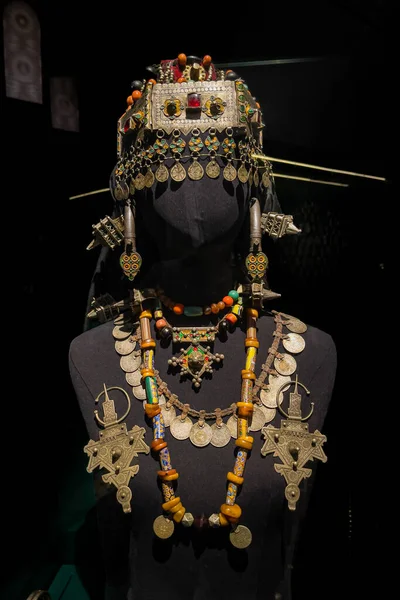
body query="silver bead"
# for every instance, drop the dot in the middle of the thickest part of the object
(187, 519)
(214, 520)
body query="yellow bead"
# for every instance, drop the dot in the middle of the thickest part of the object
(175, 508)
(247, 374)
(178, 516)
(251, 343)
(168, 505)
(145, 314)
(235, 478)
(223, 521)
(245, 442)
(171, 477)
(231, 511)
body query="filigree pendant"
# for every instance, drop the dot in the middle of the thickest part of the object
(195, 361)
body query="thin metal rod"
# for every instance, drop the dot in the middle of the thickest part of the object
(89, 194)
(262, 63)
(318, 168)
(311, 180)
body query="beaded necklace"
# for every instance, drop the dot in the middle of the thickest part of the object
(230, 512)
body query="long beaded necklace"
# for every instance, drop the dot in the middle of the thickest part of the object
(230, 512)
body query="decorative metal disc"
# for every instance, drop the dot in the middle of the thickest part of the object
(296, 326)
(269, 413)
(243, 174)
(200, 435)
(268, 397)
(294, 343)
(125, 347)
(118, 192)
(169, 414)
(256, 178)
(232, 426)
(265, 178)
(230, 172)
(134, 378)
(286, 365)
(149, 178)
(139, 392)
(240, 537)
(123, 331)
(213, 169)
(162, 173)
(139, 181)
(178, 172)
(131, 362)
(258, 419)
(163, 528)
(221, 436)
(180, 429)
(196, 171)
(251, 177)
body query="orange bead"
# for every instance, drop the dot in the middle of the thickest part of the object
(207, 61)
(171, 477)
(178, 309)
(136, 95)
(148, 344)
(233, 511)
(221, 305)
(161, 323)
(251, 343)
(181, 80)
(228, 71)
(170, 504)
(153, 81)
(207, 310)
(152, 410)
(252, 312)
(158, 444)
(231, 318)
(247, 374)
(145, 314)
(175, 509)
(228, 301)
(178, 516)
(147, 373)
(235, 478)
(223, 521)
(163, 474)
(129, 100)
(245, 409)
(182, 60)
(214, 309)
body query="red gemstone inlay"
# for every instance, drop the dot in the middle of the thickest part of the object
(194, 101)
(127, 125)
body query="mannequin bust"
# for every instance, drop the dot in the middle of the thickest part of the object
(193, 228)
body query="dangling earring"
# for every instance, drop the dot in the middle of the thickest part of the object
(130, 260)
(256, 260)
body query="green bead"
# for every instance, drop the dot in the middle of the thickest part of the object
(234, 294)
(193, 311)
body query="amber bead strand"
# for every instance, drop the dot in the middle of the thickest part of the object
(230, 511)
(167, 474)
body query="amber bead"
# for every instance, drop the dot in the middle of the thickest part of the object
(147, 373)
(221, 305)
(175, 508)
(148, 344)
(223, 521)
(181, 80)
(152, 410)
(145, 314)
(245, 409)
(247, 374)
(251, 343)
(178, 516)
(163, 474)
(207, 61)
(153, 81)
(182, 60)
(231, 318)
(252, 312)
(158, 444)
(227, 300)
(245, 442)
(258, 105)
(160, 323)
(172, 477)
(235, 478)
(170, 504)
(129, 100)
(214, 309)
(178, 309)
(229, 511)
(136, 94)
(207, 310)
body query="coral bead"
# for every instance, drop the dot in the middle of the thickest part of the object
(129, 100)
(136, 95)
(207, 61)
(231, 318)
(182, 60)
(161, 323)
(153, 81)
(181, 80)
(214, 309)
(221, 305)
(227, 300)
(178, 309)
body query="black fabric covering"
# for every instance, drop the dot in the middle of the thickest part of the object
(187, 235)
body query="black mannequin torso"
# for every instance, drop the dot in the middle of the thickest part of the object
(194, 565)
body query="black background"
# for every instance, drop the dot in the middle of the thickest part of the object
(334, 109)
